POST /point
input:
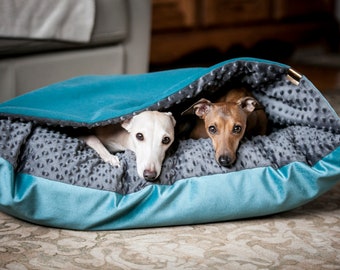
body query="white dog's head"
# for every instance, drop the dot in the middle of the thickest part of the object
(151, 134)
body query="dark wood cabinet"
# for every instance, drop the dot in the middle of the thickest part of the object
(180, 27)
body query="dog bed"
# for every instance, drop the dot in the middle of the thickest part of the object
(51, 177)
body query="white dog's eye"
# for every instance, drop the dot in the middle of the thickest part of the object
(166, 140)
(140, 136)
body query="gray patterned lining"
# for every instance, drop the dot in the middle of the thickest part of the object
(304, 129)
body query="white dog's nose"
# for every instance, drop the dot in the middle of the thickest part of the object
(149, 175)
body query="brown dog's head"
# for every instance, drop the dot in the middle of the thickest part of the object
(225, 123)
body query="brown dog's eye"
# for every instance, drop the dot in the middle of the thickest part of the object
(140, 136)
(212, 129)
(166, 140)
(237, 129)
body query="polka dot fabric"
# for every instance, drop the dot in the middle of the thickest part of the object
(13, 136)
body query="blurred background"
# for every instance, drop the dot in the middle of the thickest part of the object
(303, 34)
(41, 43)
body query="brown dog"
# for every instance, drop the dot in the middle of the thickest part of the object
(234, 115)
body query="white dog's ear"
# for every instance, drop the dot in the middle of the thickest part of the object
(126, 124)
(171, 117)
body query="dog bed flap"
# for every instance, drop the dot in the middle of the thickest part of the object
(49, 176)
(88, 100)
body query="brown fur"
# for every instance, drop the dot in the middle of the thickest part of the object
(233, 116)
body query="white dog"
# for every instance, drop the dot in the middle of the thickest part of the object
(149, 134)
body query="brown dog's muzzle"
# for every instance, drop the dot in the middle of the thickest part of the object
(225, 161)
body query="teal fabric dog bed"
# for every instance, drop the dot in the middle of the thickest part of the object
(51, 177)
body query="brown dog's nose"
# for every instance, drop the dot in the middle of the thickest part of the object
(149, 175)
(225, 161)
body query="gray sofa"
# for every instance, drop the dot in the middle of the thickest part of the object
(118, 44)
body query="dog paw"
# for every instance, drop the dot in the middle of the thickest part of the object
(112, 160)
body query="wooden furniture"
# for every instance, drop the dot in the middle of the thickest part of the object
(180, 27)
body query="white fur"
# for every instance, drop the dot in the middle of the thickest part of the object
(150, 152)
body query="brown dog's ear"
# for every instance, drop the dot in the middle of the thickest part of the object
(200, 108)
(248, 104)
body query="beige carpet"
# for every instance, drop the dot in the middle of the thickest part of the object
(305, 238)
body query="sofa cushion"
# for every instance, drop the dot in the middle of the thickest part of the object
(110, 27)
